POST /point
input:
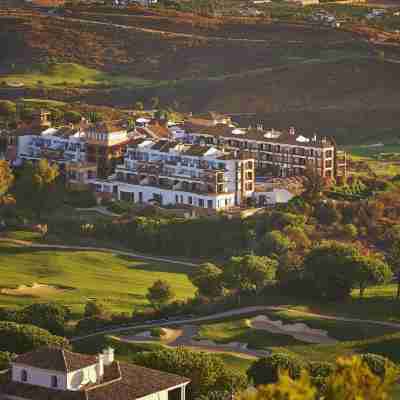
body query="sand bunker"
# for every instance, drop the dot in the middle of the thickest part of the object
(168, 335)
(297, 330)
(35, 290)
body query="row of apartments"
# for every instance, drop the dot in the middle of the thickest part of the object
(275, 153)
(83, 153)
(204, 162)
(171, 172)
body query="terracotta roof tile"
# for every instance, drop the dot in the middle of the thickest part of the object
(56, 359)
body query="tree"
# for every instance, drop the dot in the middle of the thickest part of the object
(350, 231)
(138, 106)
(94, 308)
(6, 177)
(8, 109)
(38, 188)
(314, 183)
(276, 243)
(267, 369)
(21, 338)
(394, 260)
(160, 294)
(207, 372)
(49, 316)
(208, 280)
(371, 271)
(326, 213)
(351, 379)
(155, 103)
(298, 237)
(72, 117)
(249, 272)
(331, 268)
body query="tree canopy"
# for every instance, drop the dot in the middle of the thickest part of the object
(160, 294)
(208, 280)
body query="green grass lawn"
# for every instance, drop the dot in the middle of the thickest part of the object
(239, 331)
(71, 75)
(336, 329)
(120, 282)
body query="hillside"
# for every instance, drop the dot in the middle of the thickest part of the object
(317, 79)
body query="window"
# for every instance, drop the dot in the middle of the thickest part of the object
(201, 203)
(190, 200)
(209, 204)
(328, 164)
(24, 376)
(54, 381)
(176, 199)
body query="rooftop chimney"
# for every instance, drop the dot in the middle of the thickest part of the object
(108, 355)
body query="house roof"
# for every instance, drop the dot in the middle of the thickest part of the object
(158, 130)
(56, 359)
(226, 131)
(136, 382)
(121, 381)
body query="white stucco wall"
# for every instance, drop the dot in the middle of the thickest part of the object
(169, 196)
(81, 377)
(39, 377)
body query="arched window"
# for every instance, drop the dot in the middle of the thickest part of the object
(24, 376)
(54, 381)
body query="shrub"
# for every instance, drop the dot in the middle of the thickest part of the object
(94, 308)
(81, 198)
(21, 338)
(49, 316)
(266, 370)
(5, 360)
(376, 363)
(157, 332)
(350, 231)
(207, 372)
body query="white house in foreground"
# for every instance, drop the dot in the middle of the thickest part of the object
(53, 373)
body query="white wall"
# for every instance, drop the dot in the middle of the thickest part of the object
(169, 196)
(157, 396)
(39, 377)
(82, 376)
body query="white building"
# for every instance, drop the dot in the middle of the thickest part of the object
(54, 373)
(168, 172)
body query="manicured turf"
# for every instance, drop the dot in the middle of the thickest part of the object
(120, 282)
(336, 329)
(387, 345)
(71, 75)
(239, 331)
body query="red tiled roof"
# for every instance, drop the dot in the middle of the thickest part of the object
(136, 382)
(121, 381)
(56, 359)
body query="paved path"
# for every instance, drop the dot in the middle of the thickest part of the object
(235, 312)
(100, 210)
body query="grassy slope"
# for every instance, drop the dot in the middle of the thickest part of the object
(71, 75)
(122, 283)
(315, 80)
